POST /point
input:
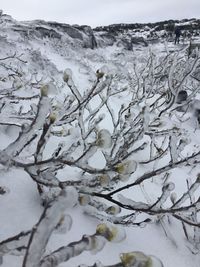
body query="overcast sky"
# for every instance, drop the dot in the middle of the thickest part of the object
(101, 12)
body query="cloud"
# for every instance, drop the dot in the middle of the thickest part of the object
(101, 12)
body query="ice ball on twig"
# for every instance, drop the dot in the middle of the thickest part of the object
(44, 90)
(104, 139)
(67, 75)
(111, 233)
(99, 74)
(126, 167)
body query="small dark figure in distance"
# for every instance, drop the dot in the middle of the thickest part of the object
(177, 35)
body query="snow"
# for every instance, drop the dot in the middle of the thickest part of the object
(21, 208)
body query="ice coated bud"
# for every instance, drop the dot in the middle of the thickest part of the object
(126, 167)
(52, 117)
(101, 228)
(135, 259)
(84, 200)
(113, 210)
(67, 75)
(173, 197)
(44, 90)
(104, 139)
(111, 233)
(105, 231)
(99, 74)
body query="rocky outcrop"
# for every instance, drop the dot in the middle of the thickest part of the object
(123, 35)
(105, 39)
(89, 40)
(44, 32)
(67, 29)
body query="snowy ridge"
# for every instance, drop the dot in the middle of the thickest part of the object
(126, 35)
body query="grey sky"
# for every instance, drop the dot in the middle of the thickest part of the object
(101, 12)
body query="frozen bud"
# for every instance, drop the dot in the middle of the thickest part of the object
(101, 228)
(173, 197)
(111, 233)
(104, 180)
(52, 118)
(135, 259)
(44, 90)
(104, 139)
(126, 167)
(84, 200)
(67, 75)
(99, 74)
(113, 210)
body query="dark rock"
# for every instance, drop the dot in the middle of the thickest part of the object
(50, 33)
(106, 39)
(126, 44)
(68, 29)
(73, 32)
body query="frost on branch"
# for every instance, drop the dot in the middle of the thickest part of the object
(93, 243)
(51, 217)
(108, 154)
